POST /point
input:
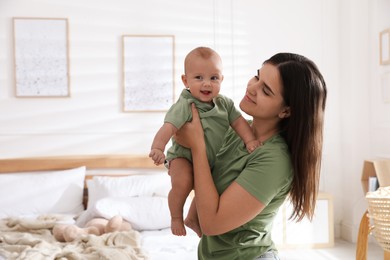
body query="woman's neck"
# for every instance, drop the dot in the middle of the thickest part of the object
(263, 130)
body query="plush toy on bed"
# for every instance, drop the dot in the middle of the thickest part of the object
(96, 226)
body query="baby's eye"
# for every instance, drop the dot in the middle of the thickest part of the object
(215, 78)
(198, 77)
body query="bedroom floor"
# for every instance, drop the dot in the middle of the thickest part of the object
(342, 250)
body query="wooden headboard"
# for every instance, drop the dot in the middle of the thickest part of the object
(66, 162)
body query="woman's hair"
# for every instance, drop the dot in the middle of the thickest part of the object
(304, 91)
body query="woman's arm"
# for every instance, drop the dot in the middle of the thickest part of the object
(217, 213)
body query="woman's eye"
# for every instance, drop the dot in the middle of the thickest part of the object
(266, 91)
(257, 77)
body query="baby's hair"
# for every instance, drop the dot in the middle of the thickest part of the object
(203, 52)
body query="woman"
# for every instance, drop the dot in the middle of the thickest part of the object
(238, 201)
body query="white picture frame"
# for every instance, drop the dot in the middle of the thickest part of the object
(41, 57)
(148, 72)
(317, 233)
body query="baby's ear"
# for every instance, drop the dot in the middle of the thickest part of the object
(184, 80)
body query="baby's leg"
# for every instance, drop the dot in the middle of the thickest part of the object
(180, 170)
(192, 220)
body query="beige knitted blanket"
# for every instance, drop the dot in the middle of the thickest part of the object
(33, 239)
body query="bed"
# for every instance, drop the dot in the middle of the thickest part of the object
(38, 193)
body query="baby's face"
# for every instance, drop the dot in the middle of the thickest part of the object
(204, 77)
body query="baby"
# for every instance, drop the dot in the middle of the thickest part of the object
(202, 80)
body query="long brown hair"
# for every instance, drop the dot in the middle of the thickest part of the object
(304, 91)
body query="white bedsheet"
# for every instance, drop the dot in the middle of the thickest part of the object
(161, 244)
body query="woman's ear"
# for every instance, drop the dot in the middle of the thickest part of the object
(285, 112)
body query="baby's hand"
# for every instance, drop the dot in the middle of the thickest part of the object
(157, 156)
(252, 145)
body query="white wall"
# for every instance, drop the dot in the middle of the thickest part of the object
(340, 36)
(354, 134)
(380, 111)
(92, 121)
(365, 118)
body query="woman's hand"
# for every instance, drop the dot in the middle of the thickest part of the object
(191, 133)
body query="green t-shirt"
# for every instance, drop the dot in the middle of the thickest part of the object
(266, 173)
(215, 119)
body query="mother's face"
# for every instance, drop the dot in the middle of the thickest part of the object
(263, 98)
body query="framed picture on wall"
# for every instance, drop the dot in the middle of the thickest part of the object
(148, 72)
(384, 41)
(41, 56)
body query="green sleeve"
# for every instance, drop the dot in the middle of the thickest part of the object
(179, 113)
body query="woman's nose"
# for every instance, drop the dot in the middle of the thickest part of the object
(251, 91)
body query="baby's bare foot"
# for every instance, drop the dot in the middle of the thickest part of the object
(194, 225)
(177, 226)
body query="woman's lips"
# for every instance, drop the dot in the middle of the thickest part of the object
(247, 98)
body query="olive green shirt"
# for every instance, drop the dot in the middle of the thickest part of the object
(266, 173)
(215, 118)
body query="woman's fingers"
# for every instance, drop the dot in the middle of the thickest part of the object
(195, 113)
(187, 133)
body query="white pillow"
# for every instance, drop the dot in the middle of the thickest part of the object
(128, 186)
(32, 193)
(143, 213)
(156, 184)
